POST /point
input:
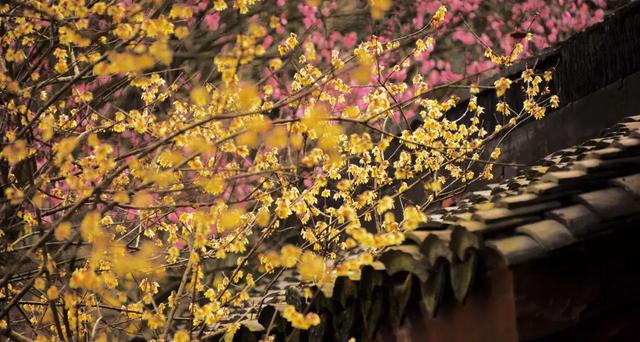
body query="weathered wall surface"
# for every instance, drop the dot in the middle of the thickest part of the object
(597, 77)
(572, 124)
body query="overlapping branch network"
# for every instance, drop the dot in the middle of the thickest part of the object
(161, 159)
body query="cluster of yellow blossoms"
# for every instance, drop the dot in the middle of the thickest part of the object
(152, 174)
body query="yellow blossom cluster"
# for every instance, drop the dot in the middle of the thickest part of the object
(162, 162)
(299, 320)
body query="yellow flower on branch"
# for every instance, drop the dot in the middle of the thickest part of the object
(384, 204)
(413, 218)
(299, 320)
(438, 17)
(199, 95)
(63, 231)
(311, 267)
(90, 227)
(230, 219)
(248, 97)
(496, 153)
(502, 85)
(180, 11)
(288, 45)
(289, 255)
(379, 7)
(161, 51)
(181, 336)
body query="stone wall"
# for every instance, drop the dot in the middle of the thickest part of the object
(597, 77)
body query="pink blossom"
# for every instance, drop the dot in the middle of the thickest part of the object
(212, 21)
(267, 41)
(464, 37)
(179, 244)
(309, 14)
(349, 40)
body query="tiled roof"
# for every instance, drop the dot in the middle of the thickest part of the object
(572, 195)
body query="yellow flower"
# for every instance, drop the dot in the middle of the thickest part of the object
(154, 320)
(262, 217)
(231, 331)
(182, 32)
(99, 8)
(61, 66)
(362, 73)
(180, 11)
(378, 7)
(219, 5)
(289, 255)
(18, 151)
(502, 85)
(214, 185)
(63, 231)
(157, 28)
(438, 17)
(496, 153)
(90, 226)
(351, 112)
(86, 279)
(384, 204)
(40, 284)
(15, 196)
(283, 209)
(502, 107)
(413, 218)
(161, 51)
(311, 267)
(248, 98)
(52, 293)
(199, 95)
(142, 199)
(298, 320)
(68, 36)
(106, 220)
(288, 45)
(148, 289)
(230, 219)
(123, 31)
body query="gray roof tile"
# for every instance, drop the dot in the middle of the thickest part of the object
(561, 177)
(577, 218)
(492, 215)
(550, 234)
(630, 183)
(516, 249)
(610, 203)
